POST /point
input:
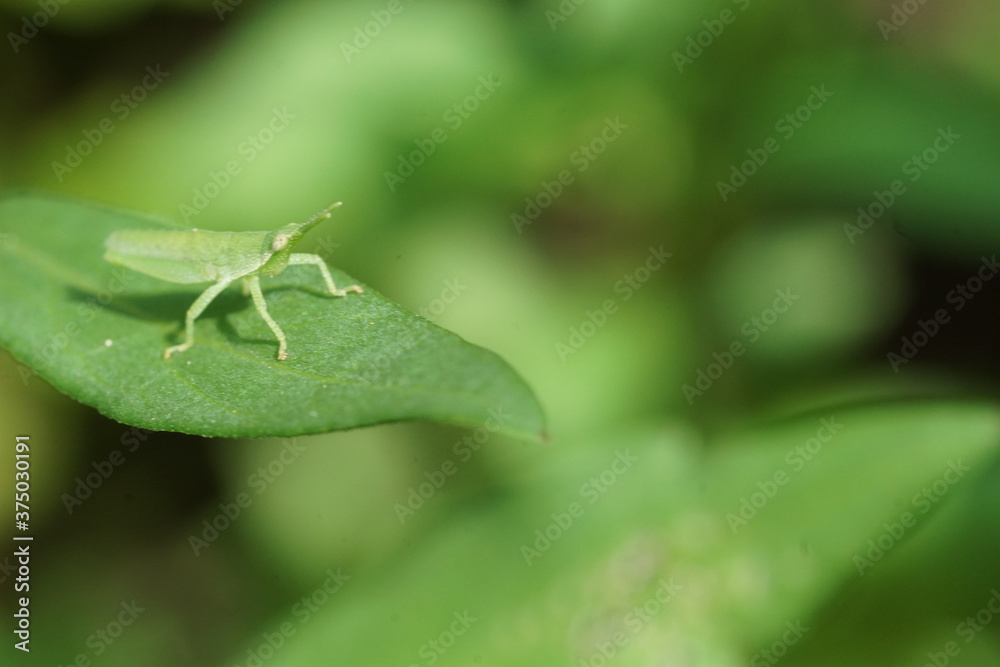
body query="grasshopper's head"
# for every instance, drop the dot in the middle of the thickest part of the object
(279, 243)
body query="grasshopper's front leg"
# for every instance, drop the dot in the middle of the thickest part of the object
(253, 284)
(193, 312)
(306, 258)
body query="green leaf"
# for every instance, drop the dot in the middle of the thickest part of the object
(97, 332)
(932, 135)
(823, 501)
(578, 564)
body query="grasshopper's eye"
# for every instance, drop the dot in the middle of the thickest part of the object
(279, 242)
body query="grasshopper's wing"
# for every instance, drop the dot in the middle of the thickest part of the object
(194, 256)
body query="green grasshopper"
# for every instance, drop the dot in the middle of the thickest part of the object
(199, 256)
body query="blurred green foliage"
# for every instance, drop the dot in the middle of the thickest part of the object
(539, 162)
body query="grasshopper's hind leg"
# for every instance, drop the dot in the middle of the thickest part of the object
(193, 312)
